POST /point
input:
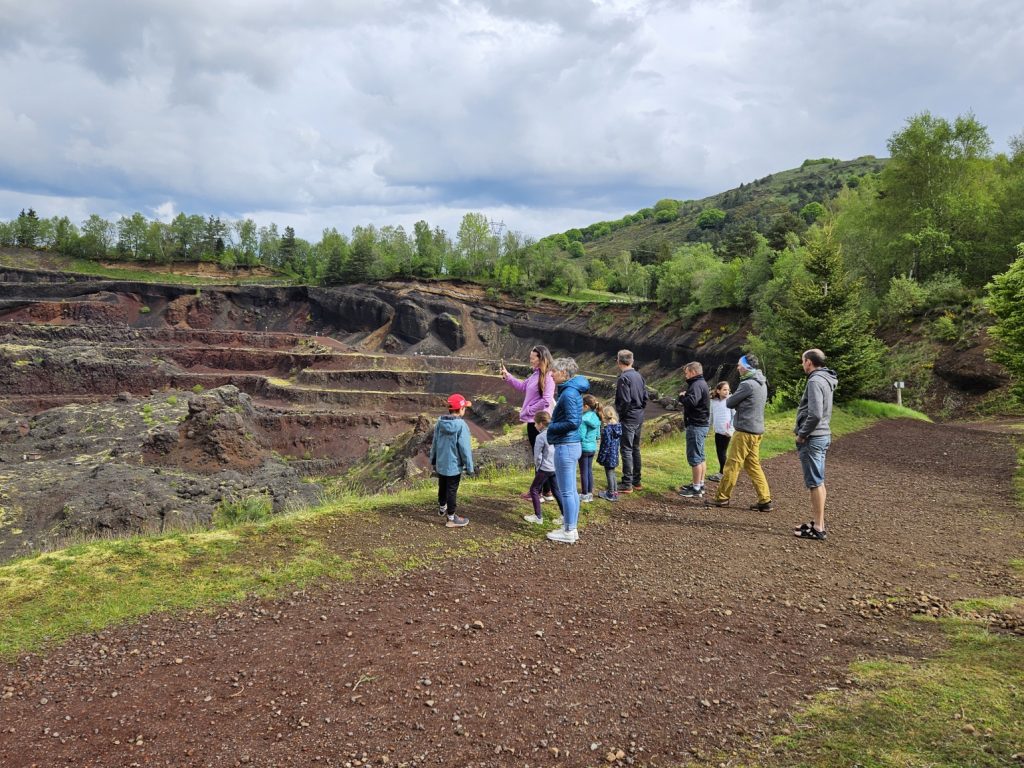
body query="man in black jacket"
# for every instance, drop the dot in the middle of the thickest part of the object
(696, 400)
(630, 401)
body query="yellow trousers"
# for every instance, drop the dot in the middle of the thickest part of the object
(744, 453)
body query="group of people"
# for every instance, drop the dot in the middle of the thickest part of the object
(738, 421)
(567, 428)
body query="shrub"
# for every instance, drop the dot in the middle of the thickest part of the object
(944, 327)
(904, 299)
(197, 388)
(234, 510)
(144, 310)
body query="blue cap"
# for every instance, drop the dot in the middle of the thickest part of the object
(745, 364)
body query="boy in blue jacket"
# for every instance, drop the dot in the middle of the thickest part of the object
(450, 455)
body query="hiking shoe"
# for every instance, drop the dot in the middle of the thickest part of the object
(608, 496)
(563, 536)
(762, 506)
(809, 533)
(627, 489)
(637, 487)
(714, 478)
(586, 498)
(442, 510)
(692, 492)
(534, 519)
(456, 521)
(721, 502)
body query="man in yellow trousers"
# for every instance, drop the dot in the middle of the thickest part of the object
(749, 401)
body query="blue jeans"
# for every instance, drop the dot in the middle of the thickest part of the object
(566, 457)
(812, 459)
(630, 448)
(695, 437)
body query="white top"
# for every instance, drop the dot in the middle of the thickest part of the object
(722, 417)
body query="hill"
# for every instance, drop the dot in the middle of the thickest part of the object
(771, 205)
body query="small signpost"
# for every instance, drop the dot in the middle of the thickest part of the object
(899, 385)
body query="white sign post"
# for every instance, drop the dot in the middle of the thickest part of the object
(899, 385)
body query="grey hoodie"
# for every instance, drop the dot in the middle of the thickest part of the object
(749, 400)
(815, 410)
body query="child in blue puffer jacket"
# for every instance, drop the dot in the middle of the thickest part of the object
(608, 453)
(590, 428)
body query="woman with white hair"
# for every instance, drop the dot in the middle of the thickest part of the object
(564, 435)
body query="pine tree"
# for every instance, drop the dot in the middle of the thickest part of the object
(821, 309)
(1006, 302)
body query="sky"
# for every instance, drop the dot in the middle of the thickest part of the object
(541, 114)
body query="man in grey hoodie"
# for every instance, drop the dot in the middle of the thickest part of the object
(749, 401)
(813, 436)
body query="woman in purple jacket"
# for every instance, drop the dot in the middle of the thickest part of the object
(538, 392)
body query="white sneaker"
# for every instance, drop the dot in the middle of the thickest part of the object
(586, 498)
(564, 536)
(547, 498)
(534, 519)
(442, 510)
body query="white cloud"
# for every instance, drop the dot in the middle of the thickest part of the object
(547, 114)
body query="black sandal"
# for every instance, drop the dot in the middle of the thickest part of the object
(803, 527)
(809, 533)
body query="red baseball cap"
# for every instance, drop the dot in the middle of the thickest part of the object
(457, 402)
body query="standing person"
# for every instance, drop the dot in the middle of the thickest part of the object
(814, 436)
(749, 400)
(722, 417)
(544, 462)
(538, 395)
(696, 400)
(451, 454)
(590, 428)
(564, 434)
(608, 453)
(630, 401)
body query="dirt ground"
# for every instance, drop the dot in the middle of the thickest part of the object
(668, 633)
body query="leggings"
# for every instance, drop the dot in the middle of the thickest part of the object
(721, 447)
(540, 480)
(587, 473)
(613, 485)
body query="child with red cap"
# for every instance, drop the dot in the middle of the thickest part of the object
(450, 455)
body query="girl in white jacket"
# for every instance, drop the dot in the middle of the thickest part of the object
(721, 419)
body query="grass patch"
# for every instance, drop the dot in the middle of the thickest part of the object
(93, 269)
(962, 708)
(49, 597)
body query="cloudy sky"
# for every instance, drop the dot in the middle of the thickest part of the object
(543, 114)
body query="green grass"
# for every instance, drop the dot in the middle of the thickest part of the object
(588, 296)
(47, 598)
(94, 269)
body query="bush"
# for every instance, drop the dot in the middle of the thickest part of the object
(247, 509)
(945, 328)
(904, 299)
(144, 310)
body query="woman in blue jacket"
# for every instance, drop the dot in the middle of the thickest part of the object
(564, 434)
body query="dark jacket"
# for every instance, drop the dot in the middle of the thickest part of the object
(451, 452)
(696, 403)
(749, 400)
(608, 453)
(630, 397)
(568, 414)
(815, 410)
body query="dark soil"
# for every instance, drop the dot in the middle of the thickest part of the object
(671, 631)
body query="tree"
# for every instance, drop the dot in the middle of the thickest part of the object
(812, 212)
(477, 246)
(333, 249)
(97, 237)
(287, 251)
(822, 308)
(27, 229)
(131, 235)
(248, 242)
(1006, 302)
(362, 257)
(711, 218)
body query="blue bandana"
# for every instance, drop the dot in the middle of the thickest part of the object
(745, 364)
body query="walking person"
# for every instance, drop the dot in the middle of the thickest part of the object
(814, 436)
(451, 454)
(749, 401)
(696, 400)
(564, 434)
(608, 452)
(630, 402)
(538, 395)
(590, 428)
(544, 463)
(722, 417)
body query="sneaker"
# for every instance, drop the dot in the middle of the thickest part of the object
(549, 497)
(627, 489)
(608, 496)
(684, 488)
(692, 492)
(637, 487)
(442, 510)
(563, 536)
(586, 498)
(714, 478)
(534, 519)
(456, 521)
(762, 506)
(721, 502)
